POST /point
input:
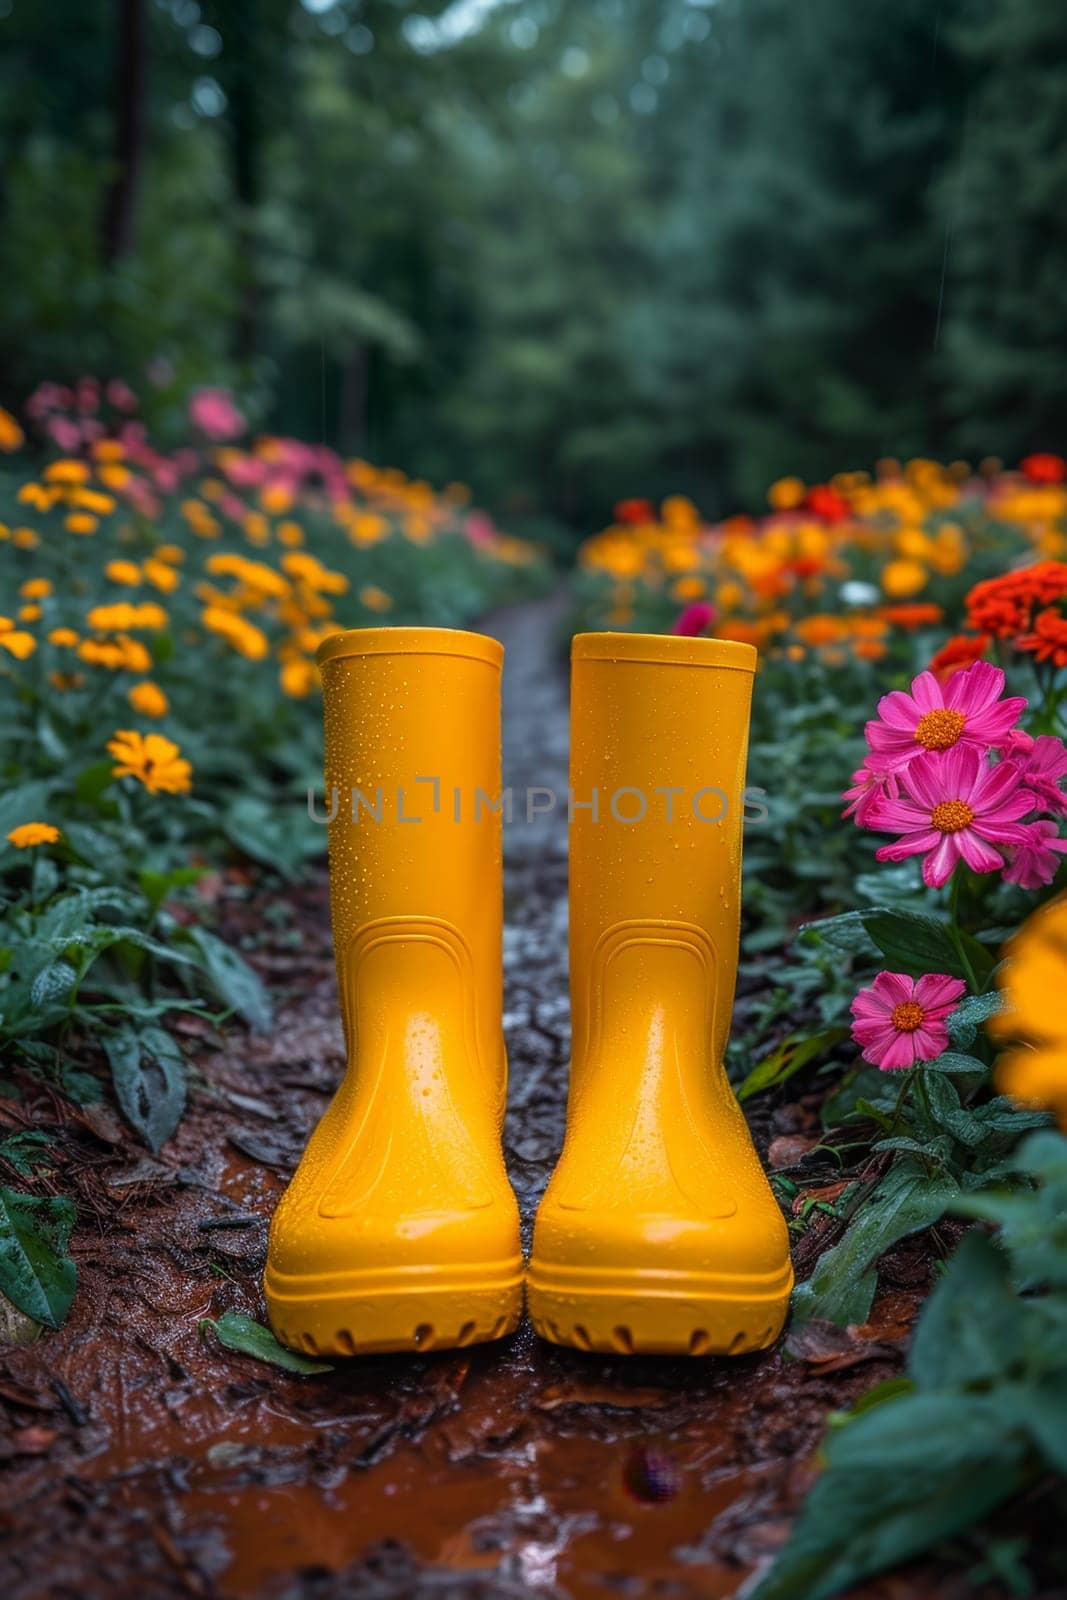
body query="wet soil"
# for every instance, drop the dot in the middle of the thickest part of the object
(140, 1458)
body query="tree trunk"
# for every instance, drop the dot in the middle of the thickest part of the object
(119, 221)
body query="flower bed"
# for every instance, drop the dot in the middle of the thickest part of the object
(161, 615)
(913, 636)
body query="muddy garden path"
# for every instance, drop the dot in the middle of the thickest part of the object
(139, 1458)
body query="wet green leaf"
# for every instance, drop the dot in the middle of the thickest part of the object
(250, 1338)
(36, 1274)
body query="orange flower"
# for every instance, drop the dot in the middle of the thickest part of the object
(11, 435)
(922, 614)
(151, 759)
(1033, 1070)
(148, 699)
(28, 834)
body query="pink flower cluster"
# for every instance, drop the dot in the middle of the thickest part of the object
(949, 770)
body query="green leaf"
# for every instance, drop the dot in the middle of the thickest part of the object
(842, 1286)
(955, 1061)
(36, 1274)
(54, 985)
(250, 1338)
(973, 1325)
(232, 978)
(898, 1479)
(968, 1017)
(918, 944)
(148, 1071)
(788, 1058)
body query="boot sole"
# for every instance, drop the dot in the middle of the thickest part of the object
(657, 1313)
(408, 1308)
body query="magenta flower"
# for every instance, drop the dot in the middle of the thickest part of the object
(964, 710)
(1034, 864)
(695, 619)
(868, 791)
(216, 416)
(1044, 767)
(900, 1021)
(956, 807)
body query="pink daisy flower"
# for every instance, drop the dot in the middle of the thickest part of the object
(868, 791)
(1034, 864)
(956, 807)
(1044, 767)
(900, 1020)
(966, 709)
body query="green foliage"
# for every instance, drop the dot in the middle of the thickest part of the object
(986, 1410)
(250, 1338)
(36, 1274)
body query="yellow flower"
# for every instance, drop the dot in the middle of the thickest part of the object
(127, 572)
(66, 472)
(65, 638)
(113, 475)
(148, 699)
(161, 576)
(688, 588)
(91, 500)
(109, 450)
(106, 619)
(11, 435)
(29, 613)
(18, 644)
(120, 654)
(375, 599)
(81, 522)
(276, 498)
(786, 494)
(291, 534)
(298, 677)
(153, 760)
(28, 834)
(36, 495)
(172, 553)
(244, 636)
(901, 579)
(1031, 979)
(25, 539)
(36, 589)
(368, 528)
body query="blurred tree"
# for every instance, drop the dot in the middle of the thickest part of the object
(1005, 204)
(567, 249)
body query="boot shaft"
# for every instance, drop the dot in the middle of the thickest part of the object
(412, 770)
(659, 732)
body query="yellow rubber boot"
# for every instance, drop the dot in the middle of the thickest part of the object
(399, 1230)
(658, 1230)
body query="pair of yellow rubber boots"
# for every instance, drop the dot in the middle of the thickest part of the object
(658, 1231)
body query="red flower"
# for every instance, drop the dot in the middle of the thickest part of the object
(1044, 467)
(635, 511)
(959, 652)
(1048, 642)
(1004, 606)
(824, 502)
